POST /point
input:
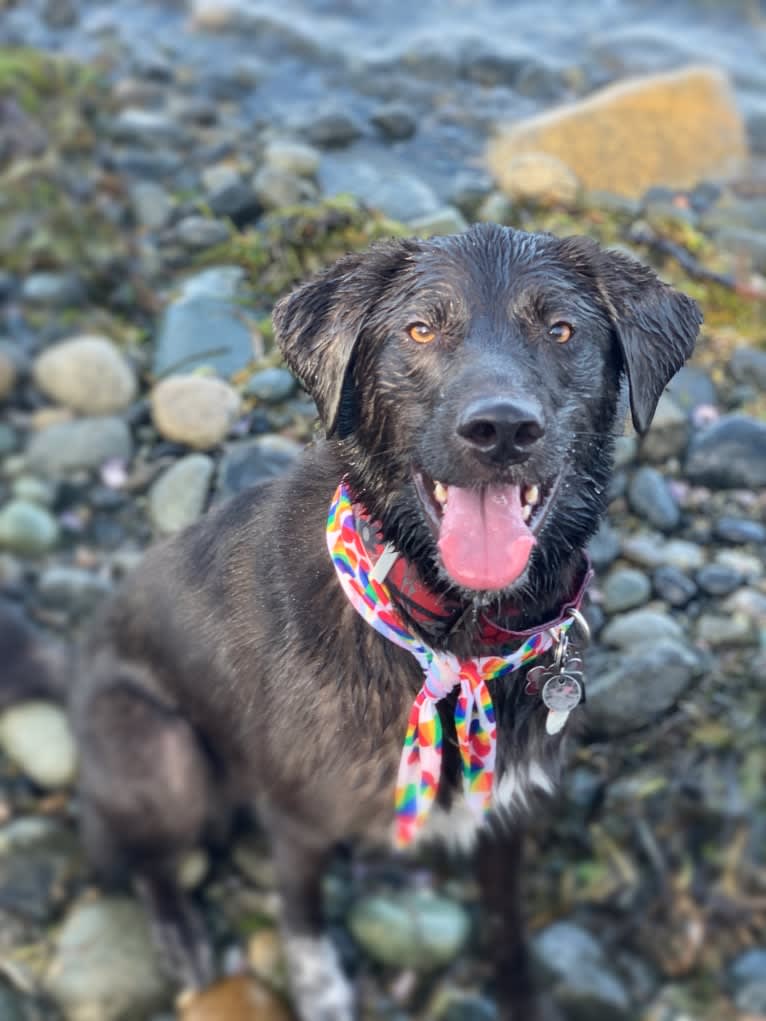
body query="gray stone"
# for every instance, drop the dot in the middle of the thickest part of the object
(87, 374)
(495, 208)
(604, 547)
(537, 177)
(333, 129)
(673, 586)
(152, 205)
(730, 454)
(748, 365)
(237, 202)
(12, 1005)
(271, 385)
(40, 860)
(750, 565)
(291, 157)
(9, 439)
(252, 461)
(640, 627)
(740, 530)
(37, 737)
(649, 496)
(420, 930)
(583, 981)
(452, 1004)
(105, 966)
(394, 121)
(400, 195)
(8, 373)
(744, 242)
(735, 629)
(669, 432)
(34, 490)
(644, 549)
(65, 448)
(206, 325)
(146, 127)
(686, 556)
(275, 188)
(624, 589)
(641, 685)
(691, 388)
(747, 981)
(625, 450)
(27, 529)
(177, 497)
(718, 579)
(197, 411)
(74, 589)
(446, 220)
(197, 232)
(56, 290)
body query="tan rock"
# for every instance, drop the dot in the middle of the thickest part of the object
(195, 410)
(87, 374)
(666, 129)
(540, 178)
(7, 374)
(234, 999)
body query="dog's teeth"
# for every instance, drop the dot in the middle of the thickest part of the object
(532, 494)
(440, 492)
(526, 512)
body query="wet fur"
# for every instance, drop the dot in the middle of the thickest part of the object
(231, 671)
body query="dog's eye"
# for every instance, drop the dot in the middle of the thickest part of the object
(421, 333)
(561, 332)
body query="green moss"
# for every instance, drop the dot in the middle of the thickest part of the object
(35, 78)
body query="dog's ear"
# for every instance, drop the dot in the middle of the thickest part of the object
(318, 326)
(655, 325)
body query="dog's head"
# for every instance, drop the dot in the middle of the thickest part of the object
(473, 384)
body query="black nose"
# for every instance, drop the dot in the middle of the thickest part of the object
(501, 431)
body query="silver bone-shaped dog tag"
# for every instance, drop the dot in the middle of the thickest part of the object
(562, 692)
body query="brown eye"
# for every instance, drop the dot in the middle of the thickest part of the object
(561, 332)
(421, 333)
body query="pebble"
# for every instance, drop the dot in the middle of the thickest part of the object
(273, 188)
(238, 202)
(452, 1004)
(87, 444)
(604, 547)
(730, 454)
(748, 365)
(251, 461)
(241, 998)
(749, 565)
(644, 549)
(37, 737)
(718, 579)
(8, 439)
(271, 385)
(333, 129)
(291, 157)
(8, 374)
(12, 1005)
(27, 529)
(177, 497)
(394, 121)
(692, 388)
(583, 981)
(624, 589)
(421, 930)
(396, 193)
(152, 205)
(445, 220)
(34, 490)
(669, 432)
(539, 178)
(625, 451)
(639, 627)
(73, 589)
(686, 556)
(672, 585)
(197, 411)
(197, 232)
(146, 127)
(40, 862)
(736, 629)
(650, 496)
(105, 966)
(55, 290)
(747, 980)
(265, 956)
(87, 374)
(740, 530)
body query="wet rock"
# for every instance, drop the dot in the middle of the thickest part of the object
(252, 461)
(152, 205)
(641, 685)
(690, 388)
(394, 121)
(747, 981)
(294, 158)
(669, 432)
(33, 490)
(9, 439)
(8, 374)
(604, 547)
(12, 1005)
(748, 365)
(496, 208)
(718, 579)
(629, 630)
(400, 195)
(686, 556)
(742, 241)
(650, 496)
(197, 232)
(333, 129)
(539, 178)
(740, 530)
(87, 374)
(420, 930)
(27, 529)
(673, 586)
(644, 548)
(446, 220)
(36, 736)
(624, 589)
(275, 188)
(56, 290)
(146, 127)
(65, 448)
(750, 566)
(730, 454)
(583, 981)
(206, 325)
(40, 861)
(735, 629)
(271, 385)
(238, 202)
(72, 588)
(177, 497)
(105, 965)
(659, 129)
(197, 411)
(240, 998)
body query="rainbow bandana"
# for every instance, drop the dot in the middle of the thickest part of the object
(420, 765)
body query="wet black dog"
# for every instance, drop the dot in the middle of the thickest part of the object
(470, 388)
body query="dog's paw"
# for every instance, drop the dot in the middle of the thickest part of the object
(320, 990)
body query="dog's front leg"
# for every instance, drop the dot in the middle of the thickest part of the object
(320, 990)
(500, 863)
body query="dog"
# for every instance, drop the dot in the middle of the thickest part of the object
(470, 389)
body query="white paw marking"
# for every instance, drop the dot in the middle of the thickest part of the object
(321, 991)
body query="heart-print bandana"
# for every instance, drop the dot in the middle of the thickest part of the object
(420, 764)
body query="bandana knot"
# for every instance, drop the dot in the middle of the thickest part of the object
(349, 540)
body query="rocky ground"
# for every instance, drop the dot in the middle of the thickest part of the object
(144, 239)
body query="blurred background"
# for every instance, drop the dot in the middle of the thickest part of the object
(167, 170)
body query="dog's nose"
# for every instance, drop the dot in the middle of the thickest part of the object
(501, 431)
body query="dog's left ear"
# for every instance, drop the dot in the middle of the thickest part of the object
(655, 325)
(318, 327)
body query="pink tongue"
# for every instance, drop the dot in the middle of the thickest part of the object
(484, 541)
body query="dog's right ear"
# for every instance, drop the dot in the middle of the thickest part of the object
(318, 325)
